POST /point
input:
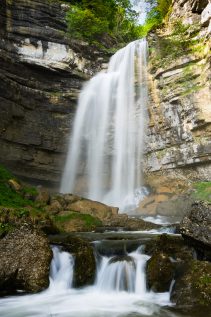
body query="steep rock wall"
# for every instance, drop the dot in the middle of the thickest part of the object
(178, 141)
(41, 72)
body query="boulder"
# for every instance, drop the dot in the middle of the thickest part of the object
(85, 265)
(192, 289)
(160, 272)
(173, 247)
(196, 226)
(25, 257)
(130, 224)
(93, 208)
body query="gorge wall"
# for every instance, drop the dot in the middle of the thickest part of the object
(41, 72)
(178, 141)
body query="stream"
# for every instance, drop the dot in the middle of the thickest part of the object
(119, 290)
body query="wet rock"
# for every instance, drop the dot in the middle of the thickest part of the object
(85, 266)
(130, 224)
(125, 258)
(159, 272)
(196, 226)
(192, 288)
(173, 247)
(25, 257)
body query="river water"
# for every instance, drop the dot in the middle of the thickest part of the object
(119, 290)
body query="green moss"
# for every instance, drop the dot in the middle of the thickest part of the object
(88, 220)
(202, 191)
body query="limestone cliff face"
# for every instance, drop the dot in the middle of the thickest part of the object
(41, 72)
(179, 132)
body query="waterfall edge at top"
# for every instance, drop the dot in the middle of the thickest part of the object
(106, 147)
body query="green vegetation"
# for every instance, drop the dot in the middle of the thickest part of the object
(89, 222)
(105, 22)
(202, 191)
(160, 10)
(9, 197)
(18, 205)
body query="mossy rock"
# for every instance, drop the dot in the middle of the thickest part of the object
(172, 246)
(160, 272)
(25, 257)
(83, 253)
(192, 288)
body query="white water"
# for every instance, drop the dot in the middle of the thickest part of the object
(107, 297)
(105, 151)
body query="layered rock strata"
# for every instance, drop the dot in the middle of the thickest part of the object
(42, 71)
(178, 141)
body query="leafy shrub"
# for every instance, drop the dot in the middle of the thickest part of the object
(95, 20)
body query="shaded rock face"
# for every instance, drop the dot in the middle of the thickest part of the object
(42, 71)
(84, 259)
(159, 272)
(196, 226)
(179, 130)
(192, 288)
(25, 257)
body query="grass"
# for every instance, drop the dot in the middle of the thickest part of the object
(8, 196)
(18, 207)
(202, 191)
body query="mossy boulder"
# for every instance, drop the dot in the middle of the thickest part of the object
(192, 288)
(25, 257)
(85, 265)
(160, 272)
(172, 246)
(196, 227)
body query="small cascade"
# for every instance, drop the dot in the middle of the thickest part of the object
(61, 271)
(106, 147)
(119, 290)
(126, 273)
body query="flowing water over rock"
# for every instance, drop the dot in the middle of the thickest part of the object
(119, 290)
(105, 151)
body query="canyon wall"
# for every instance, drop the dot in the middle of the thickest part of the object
(178, 143)
(41, 71)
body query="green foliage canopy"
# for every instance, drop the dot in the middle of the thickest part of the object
(97, 19)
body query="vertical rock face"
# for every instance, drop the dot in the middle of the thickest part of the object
(42, 71)
(179, 131)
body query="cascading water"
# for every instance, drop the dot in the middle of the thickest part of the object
(105, 152)
(119, 290)
(61, 272)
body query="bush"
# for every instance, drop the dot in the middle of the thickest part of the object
(95, 20)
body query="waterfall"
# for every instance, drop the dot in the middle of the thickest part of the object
(105, 150)
(123, 273)
(61, 271)
(119, 290)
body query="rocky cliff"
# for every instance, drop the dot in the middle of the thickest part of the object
(178, 141)
(42, 70)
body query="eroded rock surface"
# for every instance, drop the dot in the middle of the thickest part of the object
(178, 142)
(42, 71)
(196, 226)
(25, 257)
